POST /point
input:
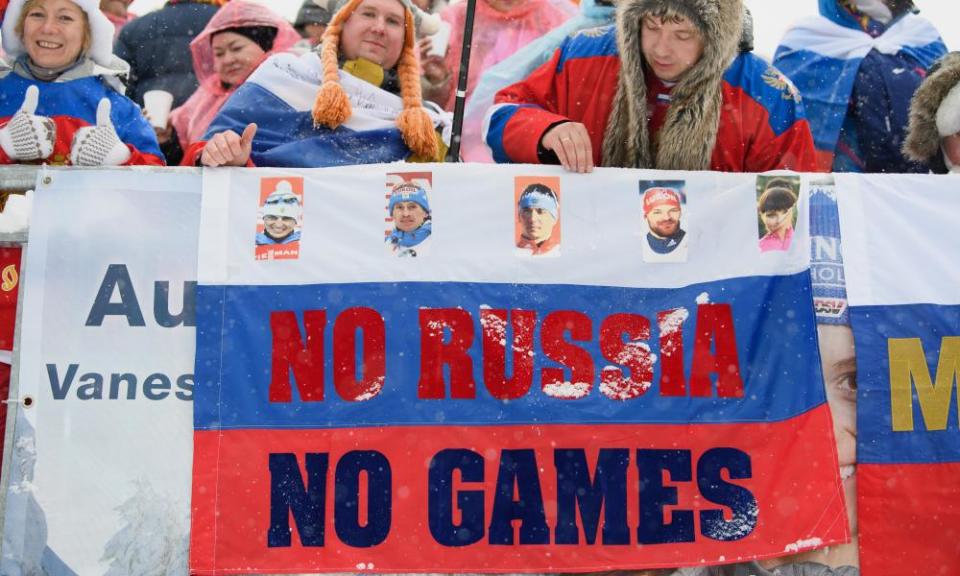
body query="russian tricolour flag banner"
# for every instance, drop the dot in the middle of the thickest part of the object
(901, 252)
(506, 369)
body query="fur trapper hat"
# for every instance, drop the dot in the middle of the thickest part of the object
(101, 32)
(934, 111)
(689, 132)
(332, 105)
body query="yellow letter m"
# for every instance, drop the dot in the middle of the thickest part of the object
(908, 368)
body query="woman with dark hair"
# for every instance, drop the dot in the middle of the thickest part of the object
(61, 96)
(776, 210)
(236, 40)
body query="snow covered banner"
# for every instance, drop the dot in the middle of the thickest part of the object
(506, 368)
(900, 251)
(100, 472)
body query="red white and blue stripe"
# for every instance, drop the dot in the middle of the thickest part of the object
(497, 413)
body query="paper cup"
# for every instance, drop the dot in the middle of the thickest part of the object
(158, 104)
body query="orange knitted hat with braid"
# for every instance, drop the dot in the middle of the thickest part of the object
(332, 106)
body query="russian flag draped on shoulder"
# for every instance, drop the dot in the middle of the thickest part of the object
(822, 55)
(278, 97)
(900, 256)
(475, 407)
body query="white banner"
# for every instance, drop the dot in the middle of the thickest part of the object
(913, 263)
(100, 476)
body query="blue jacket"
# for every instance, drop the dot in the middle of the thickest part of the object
(72, 104)
(157, 46)
(857, 77)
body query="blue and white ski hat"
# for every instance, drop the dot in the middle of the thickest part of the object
(408, 192)
(283, 203)
(539, 196)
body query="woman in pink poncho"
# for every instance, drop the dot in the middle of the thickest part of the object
(236, 40)
(501, 27)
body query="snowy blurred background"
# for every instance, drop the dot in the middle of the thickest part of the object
(772, 17)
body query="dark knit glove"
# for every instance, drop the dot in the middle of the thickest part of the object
(99, 145)
(27, 136)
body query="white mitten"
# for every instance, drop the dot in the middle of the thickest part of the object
(99, 145)
(28, 136)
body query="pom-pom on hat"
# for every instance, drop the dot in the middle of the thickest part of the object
(101, 31)
(283, 202)
(654, 197)
(408, 192)
(332, 106)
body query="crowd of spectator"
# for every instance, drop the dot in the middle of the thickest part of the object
(669, 84)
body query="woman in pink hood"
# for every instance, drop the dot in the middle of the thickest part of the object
(236, 40)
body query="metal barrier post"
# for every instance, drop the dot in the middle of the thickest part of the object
(13, 180)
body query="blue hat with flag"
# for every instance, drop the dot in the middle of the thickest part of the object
(408, 192)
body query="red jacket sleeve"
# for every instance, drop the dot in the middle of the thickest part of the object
(762, 126)
(138, 158)
(523, 112)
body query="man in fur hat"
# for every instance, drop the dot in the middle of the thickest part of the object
(664, 88)
(933, 136)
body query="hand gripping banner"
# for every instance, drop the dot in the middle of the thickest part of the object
(900, 251)
(506, 369)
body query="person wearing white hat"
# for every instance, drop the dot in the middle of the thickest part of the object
(63, 100)
(282, 214)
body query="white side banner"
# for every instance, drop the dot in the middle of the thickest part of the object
(912, 264)
(100, 475)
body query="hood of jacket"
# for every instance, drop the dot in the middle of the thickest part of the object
(836, 11)
(923, 138)
(689, 132)
(237, 14)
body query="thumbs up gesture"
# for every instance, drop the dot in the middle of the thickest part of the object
(28, 136)
(229, 149)
(99, 145)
